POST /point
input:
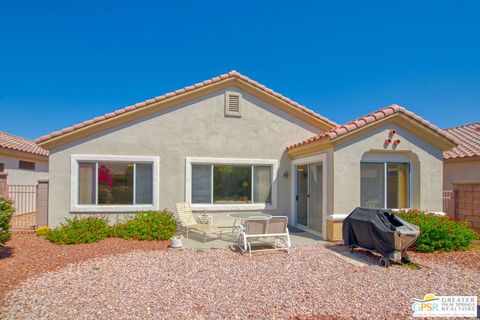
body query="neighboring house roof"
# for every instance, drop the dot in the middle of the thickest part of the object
(468, 137)
(374, 117)
(248, 83)
(11, 142)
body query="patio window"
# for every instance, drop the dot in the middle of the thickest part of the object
(114, 183)
(385, 184)
(231, 184)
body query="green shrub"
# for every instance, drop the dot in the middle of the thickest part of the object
(6, 213)
(42, 231)
(439, 233)
(148, 225)
(80, 230)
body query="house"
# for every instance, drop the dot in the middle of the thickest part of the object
(22, 159)
(22, 165)
(231, 144)
(461, 175)
(462, 163)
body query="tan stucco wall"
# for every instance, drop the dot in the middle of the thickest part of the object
(426, 168)
(196, 129)
(17, 176)
(460, 171)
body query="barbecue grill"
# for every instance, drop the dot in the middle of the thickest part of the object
(381, 231)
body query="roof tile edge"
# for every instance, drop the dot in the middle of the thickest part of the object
(371, 118)
(231, 74)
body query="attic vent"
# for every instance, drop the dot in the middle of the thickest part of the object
(232, 105)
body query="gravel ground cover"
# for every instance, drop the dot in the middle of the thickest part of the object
(309, 283)
(468, 259)
(27, 255)
(463, 259)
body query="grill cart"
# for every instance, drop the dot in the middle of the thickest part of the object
(380, 231)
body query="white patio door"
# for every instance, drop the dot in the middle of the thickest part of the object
(309, 207)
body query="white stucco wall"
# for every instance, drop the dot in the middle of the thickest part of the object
(18, 176)
(196, 129)
(460, 171)
(426, 168)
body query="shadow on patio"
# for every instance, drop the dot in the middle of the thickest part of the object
(297, 236)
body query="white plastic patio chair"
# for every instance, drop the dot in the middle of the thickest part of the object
(264, 227)
(187, 220)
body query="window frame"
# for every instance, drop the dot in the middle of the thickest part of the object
(229, 161)
(95, 208)
(31, 165)
(385, 180)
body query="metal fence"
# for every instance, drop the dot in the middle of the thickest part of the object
(449, 202)
(24, 198)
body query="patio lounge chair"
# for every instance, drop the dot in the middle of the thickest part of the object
(187, 220)
(264, 227)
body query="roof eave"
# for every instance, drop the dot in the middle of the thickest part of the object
(317, 146)
(62, 138)
(402, 119)
(407, 122)
(22, 154)
(461, 159)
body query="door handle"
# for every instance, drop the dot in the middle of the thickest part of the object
(296, 197)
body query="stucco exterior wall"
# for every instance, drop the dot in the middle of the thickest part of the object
(426, 167)
(196, 129)
(20, 176)
(460, 171)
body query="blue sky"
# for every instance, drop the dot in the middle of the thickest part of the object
(63, 62)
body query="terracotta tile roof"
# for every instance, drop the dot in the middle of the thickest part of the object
(146, 103)
(11, 142)
(367, 119)
(468, 137)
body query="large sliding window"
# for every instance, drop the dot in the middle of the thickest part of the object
(385, 184)
(113, 182)
(231, 184)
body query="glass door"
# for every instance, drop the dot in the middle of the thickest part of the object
(315, 212)
(310, 195)
(302, 195)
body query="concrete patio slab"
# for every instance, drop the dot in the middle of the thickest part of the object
(297, 236)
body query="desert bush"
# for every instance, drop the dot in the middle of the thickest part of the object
(6, 213)
(80, 230)
(439, 233)
(42, 231)
(148, 225)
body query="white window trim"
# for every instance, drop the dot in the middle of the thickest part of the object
(229, 207)
(75, 207)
